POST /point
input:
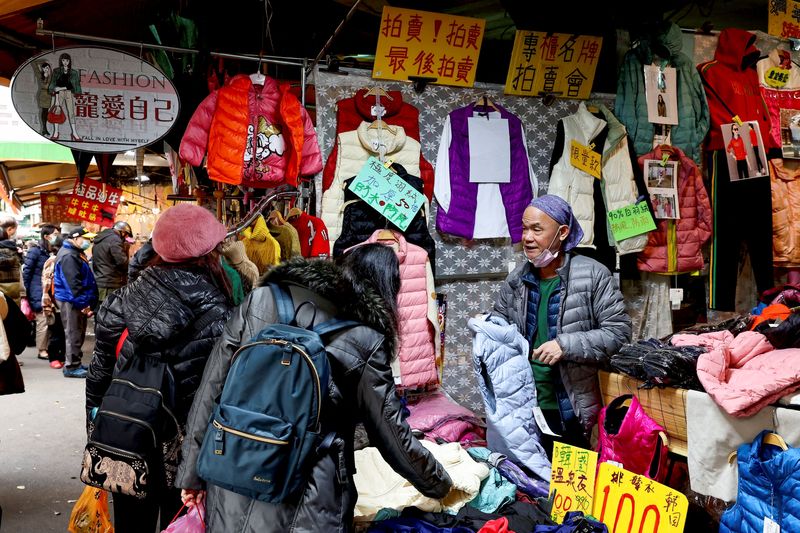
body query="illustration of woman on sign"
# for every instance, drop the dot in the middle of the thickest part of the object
(66, 82)
(43, 73)
(661, 107)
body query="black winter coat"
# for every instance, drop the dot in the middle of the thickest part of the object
(359, 221)
(140, 259)
(109, 260)
(361, 389)
(32, 275)
(160, 310)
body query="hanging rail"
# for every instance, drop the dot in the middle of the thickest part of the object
(259, 209)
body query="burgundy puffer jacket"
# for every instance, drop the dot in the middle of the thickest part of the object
(675, 245)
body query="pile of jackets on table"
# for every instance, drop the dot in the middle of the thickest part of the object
(657, 363)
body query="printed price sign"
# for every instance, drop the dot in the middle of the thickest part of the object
(784, 18)
(584, 158)
(429, 45)
(572, 480)
(631, 220)
(387, 193)
(625, 501)
(94, 203)
(54, 207)
(556, 63)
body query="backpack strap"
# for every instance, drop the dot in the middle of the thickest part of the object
(283, 303)
(333, 325)
(121, 341)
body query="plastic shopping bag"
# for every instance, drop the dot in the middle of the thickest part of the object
(192, 522)
(90, 514)
(27, 310)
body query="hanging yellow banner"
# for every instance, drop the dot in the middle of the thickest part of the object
(429, 45)
(556, 63)
(784, 18)
(625, 501)
(571, 480)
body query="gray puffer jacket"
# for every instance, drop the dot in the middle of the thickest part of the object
(592, 326)
(361, 389)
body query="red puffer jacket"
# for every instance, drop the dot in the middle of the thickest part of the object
(675, 245)
(256, 136)
(350, 112)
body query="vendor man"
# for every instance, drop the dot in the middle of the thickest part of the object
(569, 308)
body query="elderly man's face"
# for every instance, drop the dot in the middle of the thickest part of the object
(540, 232)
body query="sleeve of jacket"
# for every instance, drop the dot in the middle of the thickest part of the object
(71, 273)
(390, 433)
(214, 376)
(503, 301)
(109, 325)
(29, 268)
(703, 206)
(139, 260)
(311, 162)
(195, 139)
(612, 321)
(703, 118)
(120, 258)
(626, 104)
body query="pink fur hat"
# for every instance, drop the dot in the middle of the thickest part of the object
(186, 231)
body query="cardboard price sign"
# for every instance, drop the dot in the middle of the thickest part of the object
(625, 501)
(572, 480)
(94, 202)
(556, 63)
(631, 220)
(387, 193)
(54, 207)
(784, 18)
(584, 158)
(429, 45)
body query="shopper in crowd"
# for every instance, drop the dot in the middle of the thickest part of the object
(175, 310)
(56, 345)
(10, 259)
(569, 308)
(362, 287)
(76, 296)
(110, 258)
(32, 272)
(140, 260)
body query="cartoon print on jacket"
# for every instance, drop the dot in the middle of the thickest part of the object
(268, 140)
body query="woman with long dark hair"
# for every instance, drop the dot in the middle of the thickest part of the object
(361, 286)
(173, 312)
(44, 73)
(65, 83)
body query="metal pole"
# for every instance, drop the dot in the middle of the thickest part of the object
(335, 34)
(303, 80)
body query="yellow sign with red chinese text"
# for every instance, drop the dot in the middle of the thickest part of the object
(572, 480)
(428, 45)
(784, 18)
(553, 63)
(625, 501)
(584, 158)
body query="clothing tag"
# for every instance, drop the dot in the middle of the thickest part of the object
(676, 297)
(777, 77)
(664, 159)
(771, 526)
(584, 158)
(389, 162)
(542, 422)
(377, 111)
(737, 120)
(615, 463)
(511, 266)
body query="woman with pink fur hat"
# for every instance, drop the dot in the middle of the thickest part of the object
(173, 312)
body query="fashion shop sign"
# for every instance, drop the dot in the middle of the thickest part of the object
(95, 99)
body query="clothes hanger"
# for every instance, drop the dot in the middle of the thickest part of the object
(376, 90)
(257, 77)
(294, 212)
(770, 438)
(379, 124)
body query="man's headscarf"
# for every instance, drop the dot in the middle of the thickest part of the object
(559, 210)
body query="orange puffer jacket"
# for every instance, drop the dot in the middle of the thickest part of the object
(785, 176)
(675, 245)
(256, 136)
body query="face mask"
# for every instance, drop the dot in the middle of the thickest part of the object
(546, 257)
(52, 238)
(85, 245)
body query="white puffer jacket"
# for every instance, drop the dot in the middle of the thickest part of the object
(354, 148)
(577, 186)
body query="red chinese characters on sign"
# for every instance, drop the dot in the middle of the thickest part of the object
(432, 45)
(94, 202)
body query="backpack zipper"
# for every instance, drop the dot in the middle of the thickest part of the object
(134, 420)
(116, 450)
(154, 391)
(248, 435)
(281, 342)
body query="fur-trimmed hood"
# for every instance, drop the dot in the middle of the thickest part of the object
(357, 301)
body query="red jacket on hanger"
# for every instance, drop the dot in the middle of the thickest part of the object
(350, 112)
(732, 88)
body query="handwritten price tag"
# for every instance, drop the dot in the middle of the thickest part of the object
(584, 158)
(631, 220)
(387, 193)
(572, 480)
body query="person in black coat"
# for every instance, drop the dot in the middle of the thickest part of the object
(175, 310)
(140, 260)
(32, 278)
(364, 288)
(110, 259)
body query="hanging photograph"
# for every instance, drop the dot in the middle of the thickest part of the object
(661, 91)
(662, 184)
(790, 133)
(745, 149)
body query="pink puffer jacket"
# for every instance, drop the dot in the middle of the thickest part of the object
(675, 245)
(748, 374)
(416, 345)
(437, 416)
(630, 437)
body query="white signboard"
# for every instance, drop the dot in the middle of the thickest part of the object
(95, 99)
